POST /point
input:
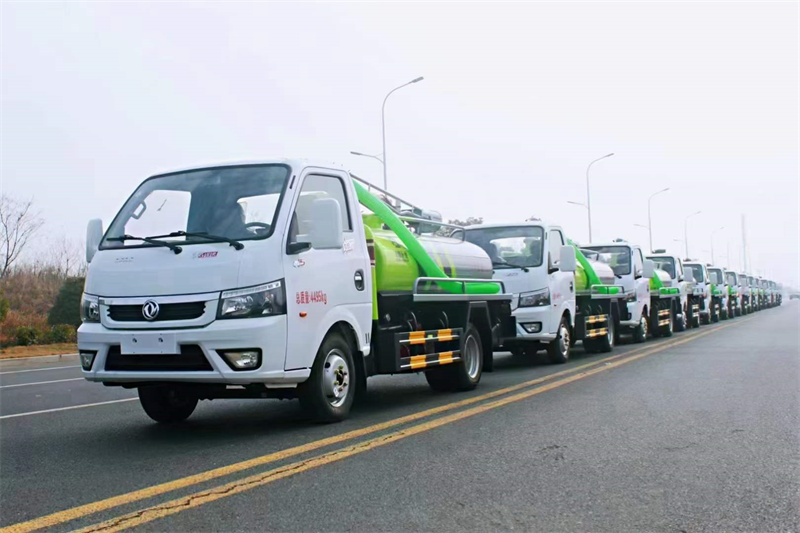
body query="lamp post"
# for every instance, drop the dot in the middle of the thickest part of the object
(383, 125)
(712, 243)
(649, 217)
(588, 195)
(686, 231)
(377, 158)
(585, 207)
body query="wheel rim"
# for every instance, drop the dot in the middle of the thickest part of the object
(610, 331)
(643, 325)
(563, 340)
(336, 378)
(472, 357)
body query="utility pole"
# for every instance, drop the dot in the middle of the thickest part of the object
(744, 245)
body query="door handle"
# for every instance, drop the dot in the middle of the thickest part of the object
(571, 286)
(358, 279)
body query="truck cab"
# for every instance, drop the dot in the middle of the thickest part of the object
(719, 293)
(735, 303)
(633, 273)
(744, 290)
(673, 266)
(701, 291)
(258, 279)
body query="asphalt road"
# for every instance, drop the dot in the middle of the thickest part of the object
(700, 432)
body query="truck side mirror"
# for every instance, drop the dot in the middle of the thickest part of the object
(94, 234)
(649, 269)
(326, 224)
(568, 261)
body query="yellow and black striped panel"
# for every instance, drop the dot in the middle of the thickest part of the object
(664, 312)
(599, 332)
(418, 362)
(664, 322)
(432, 335)
(596, 319)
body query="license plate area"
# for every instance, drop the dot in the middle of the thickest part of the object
(149, 343)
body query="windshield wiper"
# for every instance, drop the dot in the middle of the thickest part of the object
(203, 235)
(149, 240)
(506, 264)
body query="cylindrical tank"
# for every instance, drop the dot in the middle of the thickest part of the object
(396, 269)
(602, 270)
(666, 280)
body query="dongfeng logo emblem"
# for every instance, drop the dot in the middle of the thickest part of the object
(150, 310)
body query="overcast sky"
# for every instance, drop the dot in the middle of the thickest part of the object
(517, 100)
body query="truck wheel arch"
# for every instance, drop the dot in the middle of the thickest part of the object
(347, 331)
(479, 315)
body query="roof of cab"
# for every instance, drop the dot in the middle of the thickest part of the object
(294, 163)
(527, 223)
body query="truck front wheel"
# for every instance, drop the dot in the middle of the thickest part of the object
(641, 331)
(167, 404)
(679, 322)
(463, 375)
(328, 393)
(558, 348)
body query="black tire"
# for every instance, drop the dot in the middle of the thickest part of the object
(167, 404)
(558, 348)
(680, 324)
(327, 395)
(463, 375)
(666, 331)
(640, 331)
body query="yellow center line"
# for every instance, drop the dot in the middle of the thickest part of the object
(197, 499)
(170, 486)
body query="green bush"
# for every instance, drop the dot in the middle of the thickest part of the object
(26, 335)
(66, 310)
(61, 333)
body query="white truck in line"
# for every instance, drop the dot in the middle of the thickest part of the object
(701, 301)
(718, 287)
(735, 303)
(258, 280)
(651, 306)
(682, 279)
(559, 296)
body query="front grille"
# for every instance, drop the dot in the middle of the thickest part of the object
(191, 358)
(179, 311)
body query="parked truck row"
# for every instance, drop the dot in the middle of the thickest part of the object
(289, 279)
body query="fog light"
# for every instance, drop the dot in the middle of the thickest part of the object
(87, 359)
(532, 327)
(242, 359)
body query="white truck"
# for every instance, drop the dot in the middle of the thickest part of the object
(650, 305)
(259, 280)
(744, 288)
(673, 266)
(701, 302)
(560, 297)
(735, 304)
(719, 293)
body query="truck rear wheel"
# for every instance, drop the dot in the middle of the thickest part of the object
(679, 322)
(167, 404)
(463, 375)
(328, 393)
(558, 348)
(606, 343)
(666, 331)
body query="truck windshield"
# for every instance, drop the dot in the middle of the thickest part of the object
(715, 275)
(697, 273)
(667, 264)
(509, 247)
(731, 278)
(617, 257)
(211, 204)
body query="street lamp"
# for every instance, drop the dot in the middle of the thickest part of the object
(649, 218)
(588, 197)
(712, 243)
(383, 125)
(686, 231)
(583, 206)
(368, 155)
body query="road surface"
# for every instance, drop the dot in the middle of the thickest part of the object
(699, 432)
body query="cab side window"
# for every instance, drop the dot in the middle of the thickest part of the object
(638, 262)
(555, 242)
(316, 187)
(679, 269)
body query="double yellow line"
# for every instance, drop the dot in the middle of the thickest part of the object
(235, 487)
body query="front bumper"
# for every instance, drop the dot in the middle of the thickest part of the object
(531, 315)
(268, 334)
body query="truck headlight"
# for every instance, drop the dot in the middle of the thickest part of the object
(262, 300)
(535, 298)
(90, 308)
(631, 297)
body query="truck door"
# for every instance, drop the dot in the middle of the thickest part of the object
(562, 284)
(324, 286)
(641, 284)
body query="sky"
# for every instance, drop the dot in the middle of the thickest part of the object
(517, 99)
